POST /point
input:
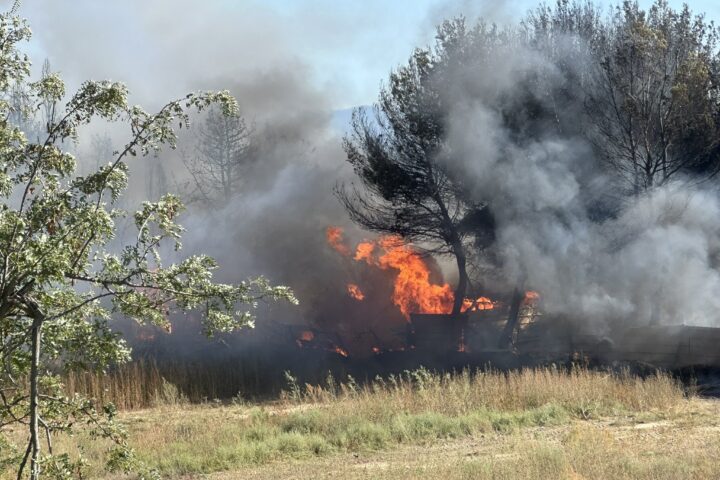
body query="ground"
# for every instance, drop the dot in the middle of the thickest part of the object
(687, 445)
(547, 423)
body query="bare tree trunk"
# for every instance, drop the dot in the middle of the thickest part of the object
(34, 400)
(506, 338)
(462, 285)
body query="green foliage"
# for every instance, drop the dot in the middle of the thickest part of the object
(59, 281)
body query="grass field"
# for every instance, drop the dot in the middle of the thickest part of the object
(532, 424)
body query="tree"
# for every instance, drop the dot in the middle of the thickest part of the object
(651, 90)
(398, 156)
(60, 283)
(223, 153)
(642, 88)
(566, 36)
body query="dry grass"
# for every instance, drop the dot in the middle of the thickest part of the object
(313, 428)
(145, 384)
(131, 386)
(581, 391)
(669, 449)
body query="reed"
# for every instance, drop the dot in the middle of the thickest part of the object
(416, 409)
(582, 391)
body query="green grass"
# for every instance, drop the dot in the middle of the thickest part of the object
(419, 409)
(264, 438)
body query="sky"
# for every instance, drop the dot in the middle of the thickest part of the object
(163, 48)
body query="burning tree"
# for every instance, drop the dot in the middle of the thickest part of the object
(59, 282)
(413, 290)
(399, 157)
(638, 90)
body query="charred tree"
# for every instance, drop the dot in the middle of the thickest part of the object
(224, 152)
(506, 337)
(399, 156)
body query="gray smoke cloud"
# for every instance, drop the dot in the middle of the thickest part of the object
(276, 225)
(653, 261)
(279, 66)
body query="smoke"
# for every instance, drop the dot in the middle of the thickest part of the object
(283, 66)
(166, 48)
(276, 225)
(646, 259)
(652, 258)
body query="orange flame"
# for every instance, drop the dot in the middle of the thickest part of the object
(412, 292)
(307, 336)
(355, 292)
(480, 303)
(334, 237)
(531, 297)
(364, 252)
(341, 351)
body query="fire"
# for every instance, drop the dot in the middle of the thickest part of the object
(480, 303)
(355, 292)
(364, 251)
(531, 297)
(413, 292)
(335, 239)
(307, 339)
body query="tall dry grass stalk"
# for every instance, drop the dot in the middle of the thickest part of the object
(147, 383)
(144, 384)
(130, 386)
(582, 391)
(416, 408)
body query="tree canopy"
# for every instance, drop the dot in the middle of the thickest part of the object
(60, 280)
(407, 190)
(640, 88)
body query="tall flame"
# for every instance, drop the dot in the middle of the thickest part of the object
(413, 292)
